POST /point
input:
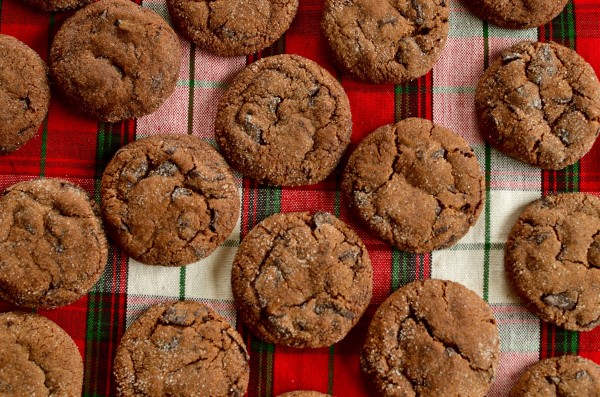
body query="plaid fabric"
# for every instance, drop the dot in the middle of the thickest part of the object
(73, 147)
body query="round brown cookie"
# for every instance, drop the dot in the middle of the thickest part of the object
(230, 28)
(301, 279)
(24, 93)
(52, 245)
(285, 121)
(415, 184)
(181, 349)
(517, 14)
(540, 103)
(303, 393)
(57, 5)
(432, 338)
(383, 41)
(169, 199)
(115, 60)
(565, 376)
(552, 257)
(37, 358)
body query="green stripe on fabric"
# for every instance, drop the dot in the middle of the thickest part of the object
(488, 169)
(330, 366)
(201, 83)
(44, 147)
(265, 352)
(191, 85)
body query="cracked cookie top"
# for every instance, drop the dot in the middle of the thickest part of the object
(540, 103)
(57, 5)
(301, 279)
(52, 244)
(517, 14)
(415, 184)
(284, 121)
(114, 60)
(432, 337)
(232, 27)
(389, 41)
(169, 199)
(181, 349)
(24, 93)
(37, 358)
(564, 376)
(552, 257)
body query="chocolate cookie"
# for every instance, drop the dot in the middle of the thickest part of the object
(58, 5)
(231, 28)
(565, 376)
(383, 41)
(540, 103)
(37, 358)
(303, 393)
(552, 257)
(181, 349)
(285, 121)
(301, 279)
(432, 337)
(24, 93)
(52, 245)
(415, 184)
(115, 60)
(517, 14)
(169, 199)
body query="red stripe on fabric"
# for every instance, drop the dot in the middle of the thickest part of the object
(300, 369)
(319, 197)
(70, 319)
(589, 345)
(428, 96)
(589, 175)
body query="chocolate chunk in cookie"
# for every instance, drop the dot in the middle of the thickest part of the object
(181, 349)
(553, 259)
(285, 121)
(540, 103)
(232, 27)
(384, 41)
(432, 337)
(563, 376)
(415, 184)
(24, 93)
(517, 14)
(37, 358)
(301, 279)
(52, 244)
(114, 60)
(169, 199)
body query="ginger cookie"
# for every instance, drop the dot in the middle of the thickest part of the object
(52, 245)
(540, 103)
(169, 199)
(57, 5)
(284, 121)
(37, 358)
(383, 41)
(230, 28)
(301, 279)
(303, 393)
(552, 258)
(181, 349)
(114, 60)
(521, 14)
(432, 337)
(564, 376)
(415, 184)
(24, 93)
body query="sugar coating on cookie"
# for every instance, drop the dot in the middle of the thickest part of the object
(114, 60)
(552, 258)
(232, 27)
(517, 14)
(432, 337)
(53, 248)
(181, 349)
(284, 120)
(301, 279)
(415, 184)
(562, 376)
(57, 5)
(383, 41)
(37, 358)
(169, 199)
(24, 93)
(540, 103)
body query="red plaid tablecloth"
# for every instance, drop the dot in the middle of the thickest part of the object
(73, 147)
